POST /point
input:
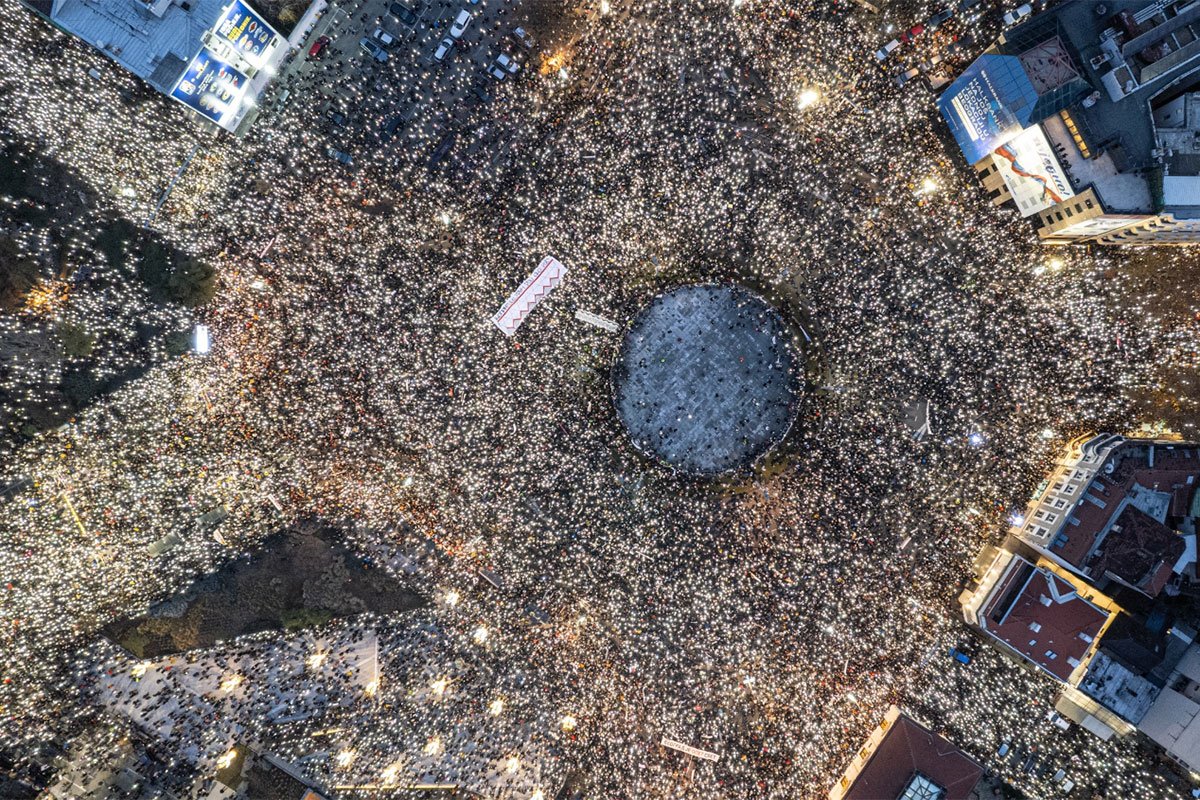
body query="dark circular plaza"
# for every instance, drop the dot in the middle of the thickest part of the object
(707, 379)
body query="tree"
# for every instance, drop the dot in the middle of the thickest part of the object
(192, 282)
(18, 273)
(77, 341)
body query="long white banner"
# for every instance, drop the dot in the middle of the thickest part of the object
(532, 291)
(691, 751)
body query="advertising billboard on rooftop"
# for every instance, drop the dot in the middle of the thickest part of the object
(244, 30)
(212, 88)
(1031, 172)
(988, 105)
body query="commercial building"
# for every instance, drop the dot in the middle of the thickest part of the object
(1086, 117)
(1047, 620)
(1075, 591)
(904, 760)
(1120, 513)
(213, 56)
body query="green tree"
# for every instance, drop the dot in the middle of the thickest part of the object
(192, 282)
(18, 273)
(77, 341)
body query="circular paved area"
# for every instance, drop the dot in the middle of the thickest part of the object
(707, 379)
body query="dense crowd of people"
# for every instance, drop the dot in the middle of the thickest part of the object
(603, 601)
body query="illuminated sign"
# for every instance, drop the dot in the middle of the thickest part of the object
(212, 88)
(988, 105)
(245, 31)
(1032, 173)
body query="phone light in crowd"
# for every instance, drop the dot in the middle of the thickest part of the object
(201, 341)
(975, 439)
(1017, 519)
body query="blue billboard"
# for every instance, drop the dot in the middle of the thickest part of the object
(211, 87)
(989, 104)
(245, 31)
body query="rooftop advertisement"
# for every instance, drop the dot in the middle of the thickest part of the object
(1032, 173)
(988, 105)
(244, 30)
(212, 88)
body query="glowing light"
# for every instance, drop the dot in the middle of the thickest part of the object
(568, 723)
(231, 683)
(438, 687)
(480, 635)
(496, 708)
(433, 747)
(315, 660)
(808, 97)
(226, 759)
(345, 758)
(201, 342)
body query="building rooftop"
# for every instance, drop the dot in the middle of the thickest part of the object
(156, 48)
(903, 760)
(1125, 72)
(1118, 688)
(1126, 520)
(1041, 616)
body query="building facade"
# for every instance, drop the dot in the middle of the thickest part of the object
(1086, 119)
(213, 56)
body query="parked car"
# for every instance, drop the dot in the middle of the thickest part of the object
(497, 72)
(338, 155)
(375, 51)
(1018, 13)
(405, 14)
(336, 117)
(522, 37)
(937, 19)
(907, 75)
(461, 23)
(318, 47)
(383, 37)
(909, 35)
(505, 62)
(955, 653)
(443, 49)
(882, 53)
(481, 93)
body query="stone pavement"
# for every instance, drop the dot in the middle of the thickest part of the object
(707, 379)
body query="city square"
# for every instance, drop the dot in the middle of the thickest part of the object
(587, 601)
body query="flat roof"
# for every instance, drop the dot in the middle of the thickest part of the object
(1041, 616)
(156, 49)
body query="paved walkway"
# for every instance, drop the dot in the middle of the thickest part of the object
(707, 379)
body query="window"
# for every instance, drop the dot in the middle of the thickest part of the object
(1050, 654)
(1035, 626)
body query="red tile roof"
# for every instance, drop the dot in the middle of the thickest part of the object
(1171, 473)
(1041, 616)
(908, 748)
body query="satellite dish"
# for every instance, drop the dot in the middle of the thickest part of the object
(1101, 10)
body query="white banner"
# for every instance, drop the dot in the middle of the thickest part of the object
(687, 748)
(597, 320)
(532, 291)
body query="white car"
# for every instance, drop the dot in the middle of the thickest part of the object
(504, 62)
(461, 23)
(885, 51)
(443, 49)
(496, 72)
(383, 37)
(1018, 13)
